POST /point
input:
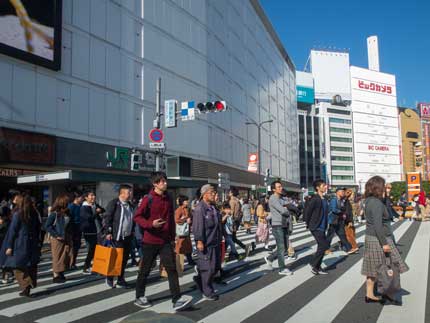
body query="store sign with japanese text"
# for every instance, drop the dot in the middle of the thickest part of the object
(305, 94)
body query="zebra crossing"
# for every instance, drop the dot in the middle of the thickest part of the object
(250, 293)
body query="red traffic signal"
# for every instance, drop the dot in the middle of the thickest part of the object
(220, 106)
(217, 106)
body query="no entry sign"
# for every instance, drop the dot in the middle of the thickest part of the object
(156, 135)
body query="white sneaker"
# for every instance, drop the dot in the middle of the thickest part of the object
(268, 262)
(286, 272)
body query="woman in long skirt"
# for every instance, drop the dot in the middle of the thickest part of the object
(61, 231)
(378, 246)
(262, 234)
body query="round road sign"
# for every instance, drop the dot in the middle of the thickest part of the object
(156, 135)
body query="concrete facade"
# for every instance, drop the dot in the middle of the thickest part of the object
(113, 52)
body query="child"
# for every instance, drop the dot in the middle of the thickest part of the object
(228, 230)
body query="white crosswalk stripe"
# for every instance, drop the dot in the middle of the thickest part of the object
(91, 301)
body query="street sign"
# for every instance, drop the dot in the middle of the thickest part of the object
(188, 111)
(156, 135)
(157, 145)
(170, 113)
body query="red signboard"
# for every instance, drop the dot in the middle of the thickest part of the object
(26, 147)
(425, 110)
(253, 162)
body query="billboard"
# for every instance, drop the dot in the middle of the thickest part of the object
(30, 30)
(305, 94)
(330, 70)
(253, 162)
(425, 110)
(375, 124)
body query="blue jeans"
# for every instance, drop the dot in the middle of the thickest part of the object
(229, 242)
(281, 238)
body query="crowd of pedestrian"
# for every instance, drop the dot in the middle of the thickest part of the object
(202, 231)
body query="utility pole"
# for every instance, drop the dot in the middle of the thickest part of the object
(259, 125)
(157, 121)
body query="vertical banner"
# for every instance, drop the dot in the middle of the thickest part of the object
(253, 162)
(427, 154)
(414, 184)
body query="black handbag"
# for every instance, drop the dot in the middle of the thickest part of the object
(388, 277)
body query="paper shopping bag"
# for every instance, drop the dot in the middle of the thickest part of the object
(108, 261)
(179, 267)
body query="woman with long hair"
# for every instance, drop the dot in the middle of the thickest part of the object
(61, 238)
(21, 247)
(379, 245)
(262, 234)
(182, 216)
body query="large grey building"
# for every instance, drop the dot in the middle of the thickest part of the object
(102, 100)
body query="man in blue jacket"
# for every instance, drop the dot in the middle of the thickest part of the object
(336, 219)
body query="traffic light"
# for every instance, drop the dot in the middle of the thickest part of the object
(217, 106)
(136, 161)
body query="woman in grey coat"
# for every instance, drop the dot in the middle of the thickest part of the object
(378, 240)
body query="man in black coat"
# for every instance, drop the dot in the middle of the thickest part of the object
(316, 218)
(90, 226)
(119, 227)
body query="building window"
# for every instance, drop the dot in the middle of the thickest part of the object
(341, 130)
(341, 158)
(342, 178)
(339, 139)
(338, 120)
(336, 167)
(347, 149)
(339, 111)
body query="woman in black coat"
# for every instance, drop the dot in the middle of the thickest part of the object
(21, 249)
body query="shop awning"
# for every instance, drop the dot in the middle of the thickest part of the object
(82, 176)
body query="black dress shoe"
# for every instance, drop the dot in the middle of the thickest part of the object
(392, 301)
(371, 300)
(25, 292)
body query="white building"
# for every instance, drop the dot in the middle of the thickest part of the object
(331, 72)
(336, 138)
(103, 98)
(376, 125)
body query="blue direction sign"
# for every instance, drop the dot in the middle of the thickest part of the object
(156, 135)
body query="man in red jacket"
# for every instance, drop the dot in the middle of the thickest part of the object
(155, 216)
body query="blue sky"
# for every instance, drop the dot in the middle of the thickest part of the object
(403, 29)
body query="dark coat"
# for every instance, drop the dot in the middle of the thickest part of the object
(112, 217)
(348, 212)
(313, 212)
(88, 220)
(24, 241)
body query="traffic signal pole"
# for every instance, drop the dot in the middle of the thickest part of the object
(157, 121)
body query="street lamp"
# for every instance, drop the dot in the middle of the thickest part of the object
(259, 125)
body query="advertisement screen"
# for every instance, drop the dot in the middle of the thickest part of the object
(31, 30)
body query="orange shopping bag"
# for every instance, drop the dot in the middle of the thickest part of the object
(108, 261)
